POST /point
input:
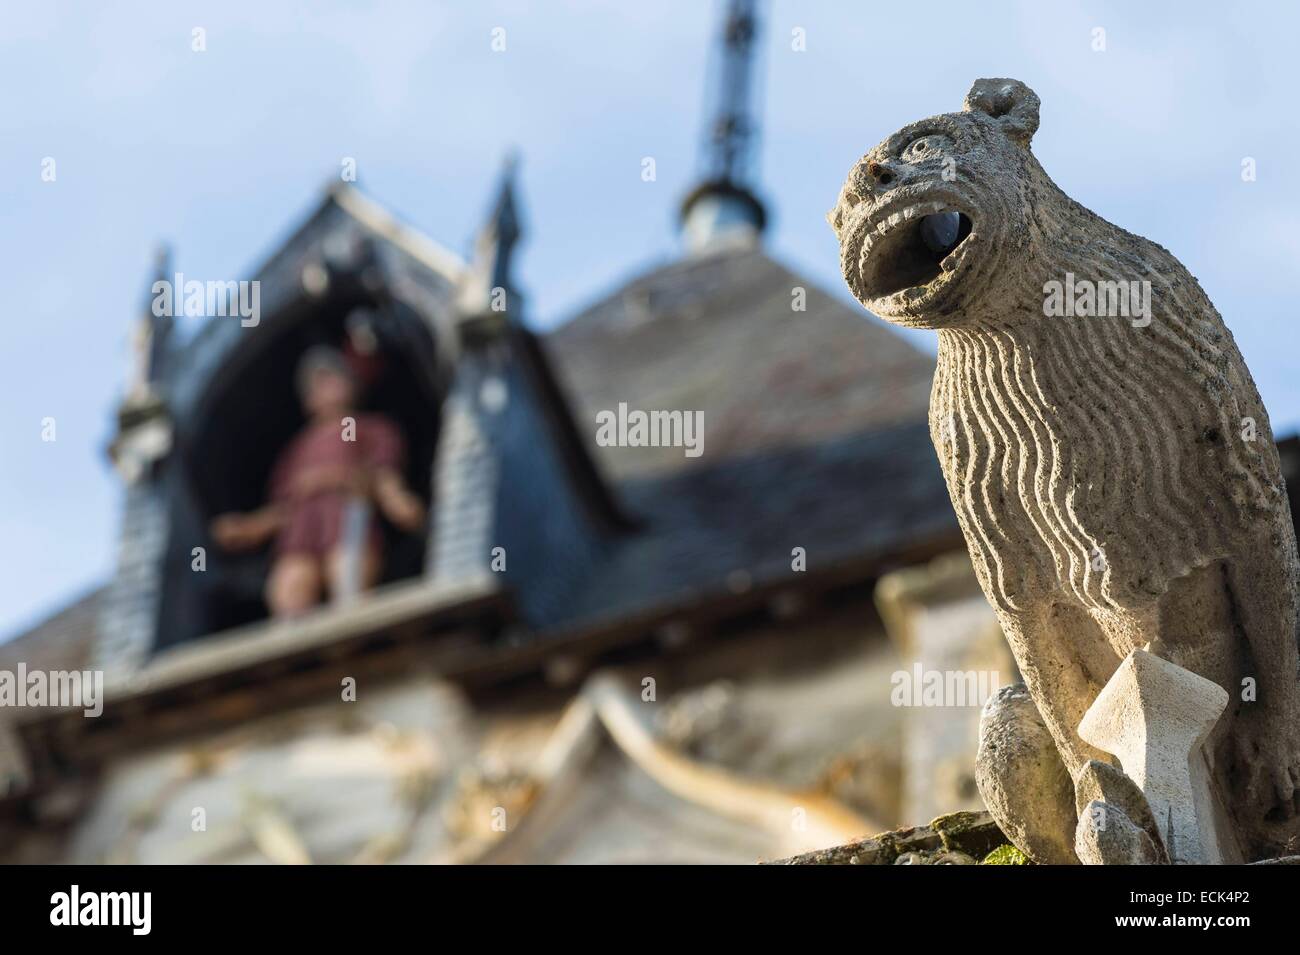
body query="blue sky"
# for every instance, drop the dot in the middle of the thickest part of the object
(223, 152)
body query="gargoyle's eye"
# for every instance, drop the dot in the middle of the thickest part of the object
(925, 147)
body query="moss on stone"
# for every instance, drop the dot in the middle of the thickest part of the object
(1006, 855)
(972, 834)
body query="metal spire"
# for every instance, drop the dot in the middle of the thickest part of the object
(724, 203)
(731, 136)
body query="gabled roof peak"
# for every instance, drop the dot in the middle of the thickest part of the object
(379, 220)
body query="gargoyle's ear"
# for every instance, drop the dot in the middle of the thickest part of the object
(1013, 104)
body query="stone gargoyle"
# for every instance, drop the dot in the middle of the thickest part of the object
(1106, 450)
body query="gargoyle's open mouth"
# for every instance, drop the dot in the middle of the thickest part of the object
(911, 248)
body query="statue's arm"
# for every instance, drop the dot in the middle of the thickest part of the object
(397, 502)
(246, 531)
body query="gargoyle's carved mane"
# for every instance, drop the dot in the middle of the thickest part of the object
(1011, 403)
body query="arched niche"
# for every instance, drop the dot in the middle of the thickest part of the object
(247, 412)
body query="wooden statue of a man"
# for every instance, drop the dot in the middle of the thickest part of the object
(321, 494)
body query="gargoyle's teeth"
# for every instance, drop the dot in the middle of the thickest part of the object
(907, 248)
(923, 210)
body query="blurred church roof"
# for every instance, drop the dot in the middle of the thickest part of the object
(61, 641)
(719, 333)
(814, 428)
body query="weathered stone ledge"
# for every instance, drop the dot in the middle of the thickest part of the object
(959, 838)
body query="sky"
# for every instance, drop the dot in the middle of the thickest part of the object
(223, 151)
